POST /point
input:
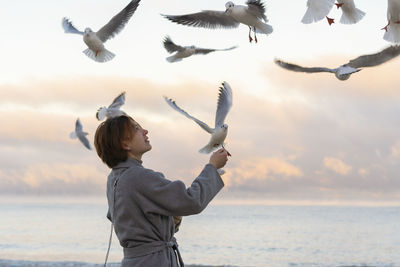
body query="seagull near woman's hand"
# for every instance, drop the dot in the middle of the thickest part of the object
(317, 10)
(113, 110)
(392, 29)
(343, 72)
(250, 15)
(351, 14)
(220, 131)
(186, 51)
(80, 134)
(95, 40)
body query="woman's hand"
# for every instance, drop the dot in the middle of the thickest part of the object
(219, 158)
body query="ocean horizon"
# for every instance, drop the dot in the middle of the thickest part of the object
(75, 232)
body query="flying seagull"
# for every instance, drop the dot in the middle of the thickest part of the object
(250, 15)
(392, 29)
(113, 110)
(351, 14)
(80, 134)
(343, 72)
(220, 131)
(186, 51)
(95, 40)
(317, 10)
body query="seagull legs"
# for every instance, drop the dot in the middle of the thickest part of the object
(250, 39)
(255, 36)
(330, 21)
(97, 51)
(339, 5)
(385, 28)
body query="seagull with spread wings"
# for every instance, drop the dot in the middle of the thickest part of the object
(186, 51)
(113, 110)
(220, 131)
(344, 72)
(392, 29)
(95, 40)
(250, 15)
(80, 134)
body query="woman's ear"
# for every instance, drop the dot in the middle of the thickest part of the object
(125, 145)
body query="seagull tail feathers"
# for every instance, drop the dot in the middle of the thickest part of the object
(207, 149)
(101, 113)
(352, 17)
(393, 33)
(102, 56)
(263, 28)
(72, 135)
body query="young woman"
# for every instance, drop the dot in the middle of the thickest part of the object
(143, 203)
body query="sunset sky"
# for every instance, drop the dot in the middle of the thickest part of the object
(294, 137)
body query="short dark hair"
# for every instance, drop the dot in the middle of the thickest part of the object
(109, 136)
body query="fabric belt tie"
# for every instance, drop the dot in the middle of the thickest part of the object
(152, 247)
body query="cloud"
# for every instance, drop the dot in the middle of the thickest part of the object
(261, 169)
(337, 165)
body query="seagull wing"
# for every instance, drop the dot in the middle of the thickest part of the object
(298, 68)
(206, 51)
(69, 28)
(224, 104)
(118, 101)
(78, 126)
(375, 59)
(205, 19)
(84, 140)
(256, 8)
(171, 46)
(118, 22)
(199, 122)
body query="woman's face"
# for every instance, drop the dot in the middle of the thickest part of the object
(139, 142)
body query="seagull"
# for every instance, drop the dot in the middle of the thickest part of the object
(343, 72)
(392, 29)
(95, 40)
(317, 10)
(113, 110)
(351, 14)
(220, 131)
(250, 15)
(80, 134)
(186, 51)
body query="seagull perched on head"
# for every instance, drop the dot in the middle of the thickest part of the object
(250, 15)
(80, 134)
(343, 72)
(351, 14)
(317, 10)
(220, 131)
(113, 110)
(392, 29)
(186, 51)
(95, 40)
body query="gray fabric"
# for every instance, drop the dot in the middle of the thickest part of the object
(145, 202)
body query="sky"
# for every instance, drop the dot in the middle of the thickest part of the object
(294, 137)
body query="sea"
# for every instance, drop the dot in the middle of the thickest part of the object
(75, 232)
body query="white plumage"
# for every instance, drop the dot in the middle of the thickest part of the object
(113, 110)
(80, 134)
(392, 29)
(317, 10)
(95, 40)
(220, 131)
(251, 15)
(351, 14)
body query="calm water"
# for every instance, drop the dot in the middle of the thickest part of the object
(57, 231)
